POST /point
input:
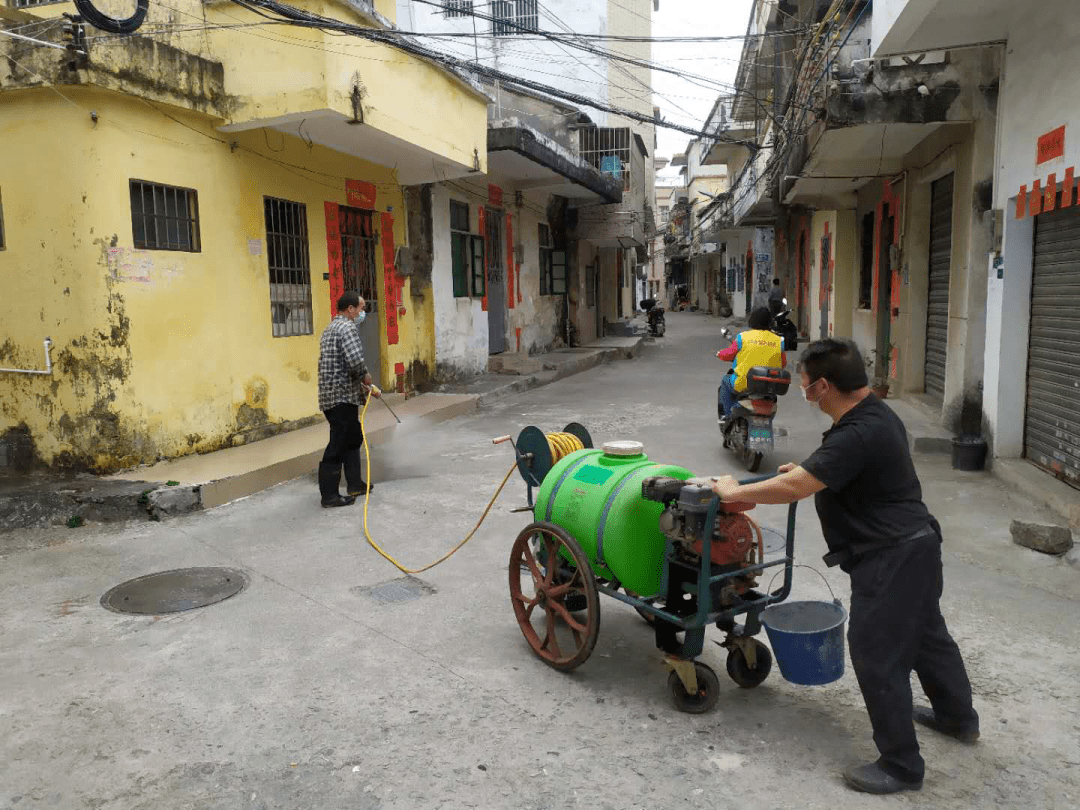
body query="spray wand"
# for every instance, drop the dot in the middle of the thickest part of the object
(374, 389)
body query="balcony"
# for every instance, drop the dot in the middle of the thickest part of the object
(752, 198)
(866, 116)
(535, 162)
(907, 26)
(355, 96)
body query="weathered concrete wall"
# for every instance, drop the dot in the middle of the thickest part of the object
(533, 322)
(461, 325)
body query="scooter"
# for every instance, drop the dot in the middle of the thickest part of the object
(783, 327)
(748, 431)
(655, 315)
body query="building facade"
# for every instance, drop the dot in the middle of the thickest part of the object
(607, 242)
(1027, 267)
(181, 211)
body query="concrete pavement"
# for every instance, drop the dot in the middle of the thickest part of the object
(304, 692)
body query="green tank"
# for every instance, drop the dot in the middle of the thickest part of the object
(595, 495)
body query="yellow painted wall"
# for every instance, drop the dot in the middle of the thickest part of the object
(159, 353)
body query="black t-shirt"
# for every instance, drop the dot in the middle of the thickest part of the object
(872, 492)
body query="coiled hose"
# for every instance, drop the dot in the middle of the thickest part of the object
(114, 26)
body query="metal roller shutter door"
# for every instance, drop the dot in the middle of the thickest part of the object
(1052, 426)
(937, 306)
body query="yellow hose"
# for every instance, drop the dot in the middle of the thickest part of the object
(562, 444)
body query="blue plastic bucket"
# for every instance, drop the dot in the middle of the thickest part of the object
(807, 640)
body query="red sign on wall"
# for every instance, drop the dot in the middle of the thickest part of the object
(360, 194)
(495, 195)
(1051, 145)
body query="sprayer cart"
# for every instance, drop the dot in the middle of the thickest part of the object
(611, 521)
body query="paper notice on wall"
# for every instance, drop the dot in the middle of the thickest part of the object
(255, 247)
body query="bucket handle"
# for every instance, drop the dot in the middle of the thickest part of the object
(827, 585)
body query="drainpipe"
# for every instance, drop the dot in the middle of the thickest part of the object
(48, 363)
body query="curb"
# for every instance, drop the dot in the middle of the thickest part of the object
(155, 500)
(564, 370)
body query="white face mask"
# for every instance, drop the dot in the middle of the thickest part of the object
(807, 388)
(361, 316)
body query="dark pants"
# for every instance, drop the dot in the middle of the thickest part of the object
(346, 439)
(896, 626)
(726, 395)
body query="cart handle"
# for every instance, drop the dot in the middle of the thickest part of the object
(757, 479)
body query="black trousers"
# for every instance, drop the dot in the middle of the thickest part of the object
(343, 450)
(895, 627)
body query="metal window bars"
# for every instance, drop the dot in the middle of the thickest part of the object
(457, 8)
(359, 246)
(289, 266)
(607, 149)
(511, 17)
(164, 217)
(32, 3)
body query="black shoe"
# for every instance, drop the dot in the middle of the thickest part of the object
(873, 779)
(363, 489)
(338, 500)
(926, 717)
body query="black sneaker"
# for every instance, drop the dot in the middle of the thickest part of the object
(873, 778)
(338, 500)
(926, 717)
(363, 489)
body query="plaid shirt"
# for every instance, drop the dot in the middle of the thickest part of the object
(341, 365)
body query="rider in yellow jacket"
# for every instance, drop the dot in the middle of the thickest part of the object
(755, 347)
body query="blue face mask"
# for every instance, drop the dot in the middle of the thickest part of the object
(361, 316)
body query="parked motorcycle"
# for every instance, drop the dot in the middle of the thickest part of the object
(655, 315)
(748, 431)
(782, 326)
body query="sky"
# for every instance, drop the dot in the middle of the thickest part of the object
(679, 99)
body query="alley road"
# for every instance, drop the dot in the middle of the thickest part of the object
(303, 692)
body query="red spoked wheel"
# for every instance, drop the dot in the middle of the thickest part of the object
(554, 596)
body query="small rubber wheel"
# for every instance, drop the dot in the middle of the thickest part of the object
(707, 695)
(741, 672)
(752, 461)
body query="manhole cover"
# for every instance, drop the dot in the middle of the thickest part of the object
(174, 591)
(396, 590)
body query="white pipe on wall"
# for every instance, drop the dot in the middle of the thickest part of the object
(48, 363)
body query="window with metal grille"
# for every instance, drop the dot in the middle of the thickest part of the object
(290, 270)
(460, 247)
(607, 149)
(511, 17)
(164, 217)
(457, 8)
(30, 3)
(552, 265)
(866, 266)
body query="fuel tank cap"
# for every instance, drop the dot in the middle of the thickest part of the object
(623, 448)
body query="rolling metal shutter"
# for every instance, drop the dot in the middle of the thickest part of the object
(937, 307)
(1052, 427)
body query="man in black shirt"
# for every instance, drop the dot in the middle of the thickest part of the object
(878, 530)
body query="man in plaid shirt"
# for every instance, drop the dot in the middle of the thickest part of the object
(344, 383)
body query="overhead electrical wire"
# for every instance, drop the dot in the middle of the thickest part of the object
(301, 18)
